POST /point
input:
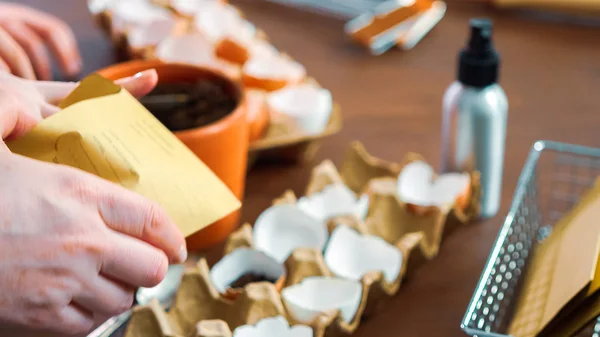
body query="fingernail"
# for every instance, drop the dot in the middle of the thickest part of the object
(183, 254)
(142, 74)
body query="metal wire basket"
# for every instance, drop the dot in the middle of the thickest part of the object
(554, 178)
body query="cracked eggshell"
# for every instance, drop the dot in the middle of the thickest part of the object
(99, 6)
(194, 49)
(231, 50)
(127, 15)
(100, 11)
(262, 48)
(273, 327)
(282, 228)
(239, 51)
(352, 255)
(419, 187)
(317, 295)
(191, 7)
(189, 48)
(150, 35)
(217, 21)
(334, 200)
(308, 106)
(272, 73)
(244, 261)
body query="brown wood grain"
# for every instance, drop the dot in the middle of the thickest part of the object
(551, 73)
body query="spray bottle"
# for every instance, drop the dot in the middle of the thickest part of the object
(475, 110)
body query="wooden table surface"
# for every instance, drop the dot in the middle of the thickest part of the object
(551, 74)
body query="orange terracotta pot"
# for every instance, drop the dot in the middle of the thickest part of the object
(222, 146)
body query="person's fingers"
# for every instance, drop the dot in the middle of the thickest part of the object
(125, 212)
(48, 109)
(59, 36)
(129, 213)
(4, 66)
(16, 116)
(139, 85)
(70, 320)
(134, 262)
(33, 45)
(105, 297)
(54, 92)
(15, 57)
(3, 147)
(75, 320)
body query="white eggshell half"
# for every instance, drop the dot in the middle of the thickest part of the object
(261, 48)
(244, 261)
(218, 21)
(273, 327)
(282, 228)
(189, 48)
(416, 185)
(194, 49)
(448, 187)
(309, 106)
(130, 14)
(99, 6)
(150, 35)
(334, 200)
(274, 68)
(320, 294)
(351, 255)
(191, 7)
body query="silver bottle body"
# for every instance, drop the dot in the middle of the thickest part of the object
(474, 136)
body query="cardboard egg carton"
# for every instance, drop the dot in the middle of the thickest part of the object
(282, 140)
(201, 310)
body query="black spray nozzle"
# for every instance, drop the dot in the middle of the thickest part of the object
(481, 36)
(478, 61)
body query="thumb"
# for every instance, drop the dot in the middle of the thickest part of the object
(141, 84)
(3, 147)
(138, 85)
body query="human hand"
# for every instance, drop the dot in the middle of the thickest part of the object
(26, 34)
(73, 246)
(23, 103)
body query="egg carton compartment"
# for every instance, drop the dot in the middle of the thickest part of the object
(223, 40)
(316, 265)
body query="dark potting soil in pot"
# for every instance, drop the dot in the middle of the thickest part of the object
(250, 278)
(182, 106)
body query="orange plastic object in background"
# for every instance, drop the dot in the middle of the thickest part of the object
(381, 23)
(222, 146)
